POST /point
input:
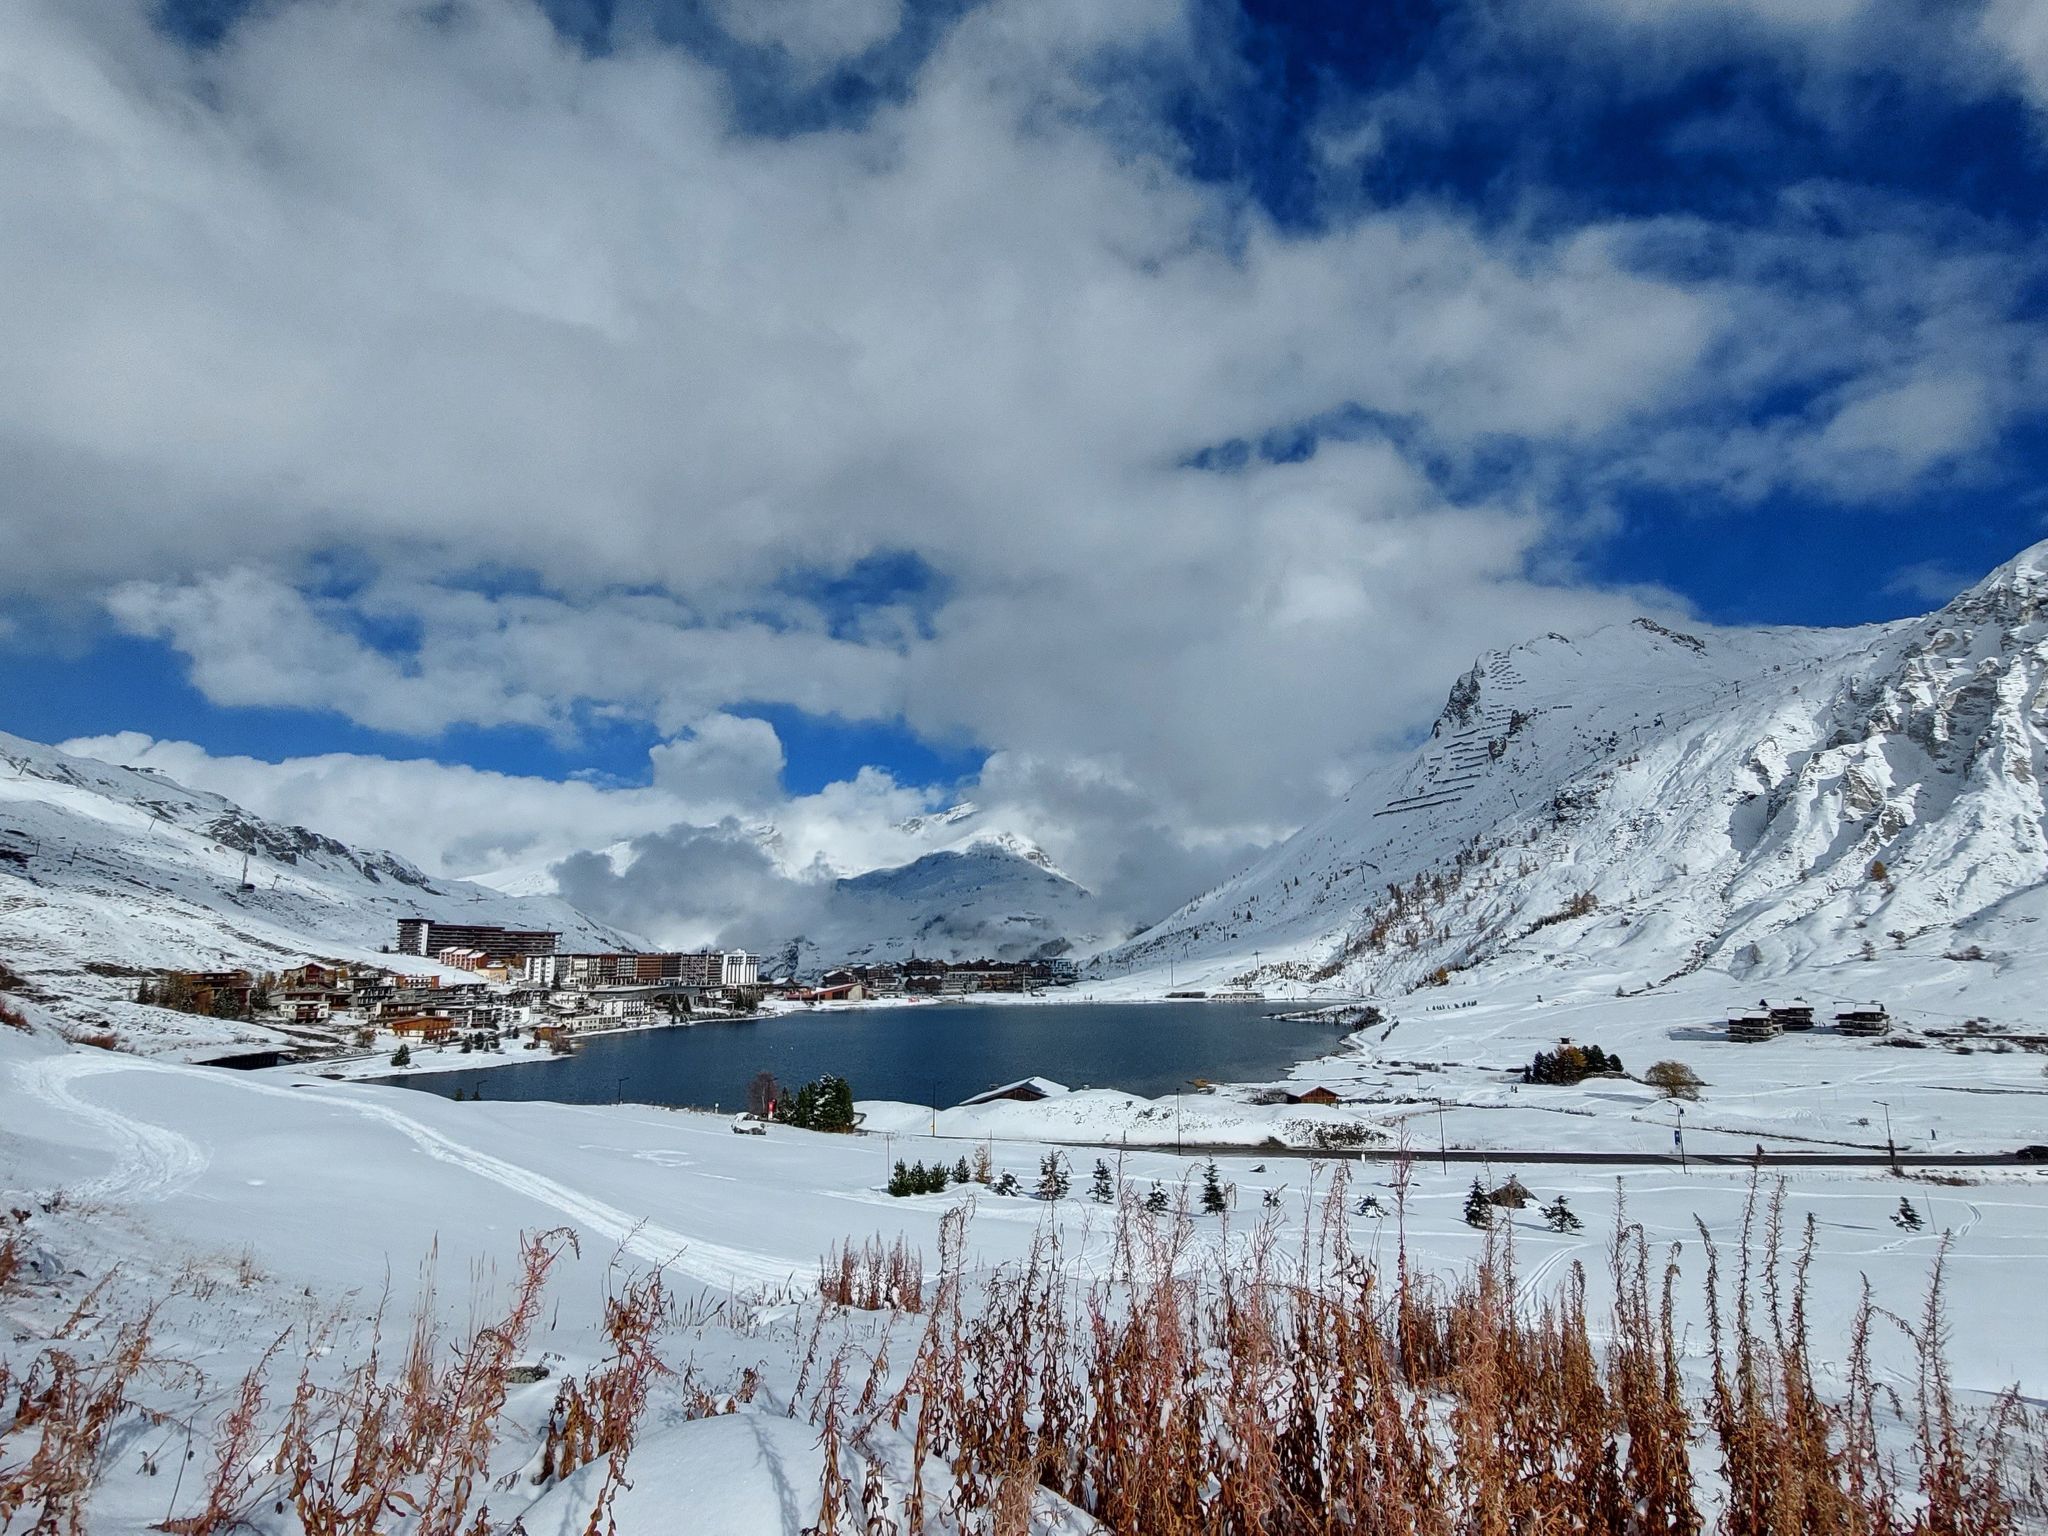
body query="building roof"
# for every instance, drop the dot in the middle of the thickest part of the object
(1023, 1088)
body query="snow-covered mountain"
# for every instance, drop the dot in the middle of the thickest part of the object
(952, 887)
(105, 871)
(987, 900)
(1646, 802)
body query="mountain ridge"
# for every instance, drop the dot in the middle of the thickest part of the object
(1654, 800)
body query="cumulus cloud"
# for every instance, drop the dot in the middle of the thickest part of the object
(814, 33)
(599, 391)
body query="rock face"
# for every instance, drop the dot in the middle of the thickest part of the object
(1647, 801)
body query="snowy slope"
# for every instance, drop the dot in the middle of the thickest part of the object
(107, 870)
(247, 1206)
(1648, 803)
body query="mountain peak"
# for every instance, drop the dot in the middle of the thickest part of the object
(2015, 593)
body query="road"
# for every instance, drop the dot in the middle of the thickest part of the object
(1770, 1159)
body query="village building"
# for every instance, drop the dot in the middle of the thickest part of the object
(1316, 1095)
(429, 936)
(1027, 1090)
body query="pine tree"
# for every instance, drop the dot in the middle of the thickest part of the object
(1559, 1217)
(899, 1181)
(1005, 1184)
(402, 1057)
(1273, 1197)
(960, 1173)
(1478, 1209)
(1103, 1190)
(1214, 1202)
(1155, 1201)
(836, 1113)
(1905, 1216)
(1369, 1205)
(1053, 1182)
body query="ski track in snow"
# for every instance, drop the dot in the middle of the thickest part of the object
(154, 1163)
(151, 1162)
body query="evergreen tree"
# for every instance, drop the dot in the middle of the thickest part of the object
(1478, 1209)
(1103, 1190)
(899, 1181)
(1155, 1201)
(1559, 1217)
(837, 1109)
(1273, 1197)
(1214, 1202)
(1369, 1205)
(1052, 1177)
(402, 1057)
(1905, 1216)
(1005, 1184)
(960, 1173)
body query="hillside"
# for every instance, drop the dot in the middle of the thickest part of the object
(1641, 803)
(106, 871)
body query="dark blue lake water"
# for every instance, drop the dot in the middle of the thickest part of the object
(934, 1053)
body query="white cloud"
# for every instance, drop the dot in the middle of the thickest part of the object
(427, 286)
(814, 33)
(2017, 30)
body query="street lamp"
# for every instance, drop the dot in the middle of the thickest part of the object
(1891, 1147)
(1678, 1135)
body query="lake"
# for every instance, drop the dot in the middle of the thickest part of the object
(932, 1053)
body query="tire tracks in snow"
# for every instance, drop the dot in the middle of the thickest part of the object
(154, 1162)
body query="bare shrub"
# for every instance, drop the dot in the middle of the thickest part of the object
(873, 1278)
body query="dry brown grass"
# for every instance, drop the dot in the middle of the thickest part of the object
(873, 1277)
(1188, 1394)
(1188, 1387)
(66, 1405)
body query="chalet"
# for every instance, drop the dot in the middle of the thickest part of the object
(1795, 1017)
(1316, 1095)
(427, 1028)
(1027, 1090)
(840, 992)
(313, 1004)
(1865, 1022)
(1752, 1029)
(314, 974)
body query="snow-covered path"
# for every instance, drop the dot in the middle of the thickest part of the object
(154, 1162)
(151, 1162)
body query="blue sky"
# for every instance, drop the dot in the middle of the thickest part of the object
(1091, 394)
